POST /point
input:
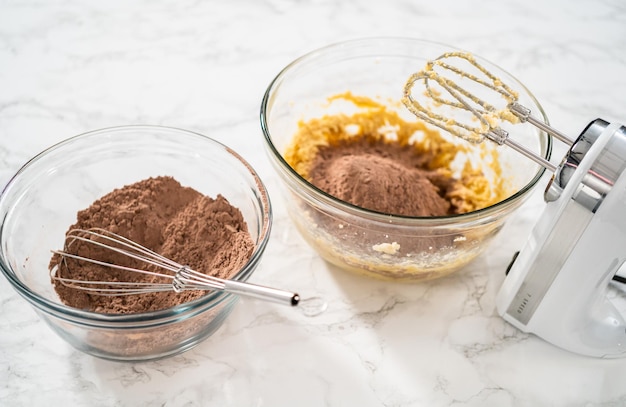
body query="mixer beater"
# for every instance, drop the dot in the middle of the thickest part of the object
(442, 76)
(556, 287)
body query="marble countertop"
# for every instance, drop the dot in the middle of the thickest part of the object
(67, 67)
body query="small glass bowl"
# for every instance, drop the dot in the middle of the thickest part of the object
(373, 243)
(41, 201)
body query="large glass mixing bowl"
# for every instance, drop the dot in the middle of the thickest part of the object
(366, 241)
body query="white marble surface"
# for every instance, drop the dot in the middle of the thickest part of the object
(71, 66)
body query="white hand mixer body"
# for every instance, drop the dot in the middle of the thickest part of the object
(557, 285)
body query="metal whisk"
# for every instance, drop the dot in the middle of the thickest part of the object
(175, 277)
(440, 79)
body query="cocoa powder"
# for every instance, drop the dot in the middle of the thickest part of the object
(206, 234)
(382, 176)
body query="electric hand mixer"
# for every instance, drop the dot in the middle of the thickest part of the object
(557, 285)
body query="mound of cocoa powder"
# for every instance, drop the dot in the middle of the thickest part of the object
(206, 234)
(383, 177)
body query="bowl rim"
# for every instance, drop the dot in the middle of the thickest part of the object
(317, 194)
(152, 318)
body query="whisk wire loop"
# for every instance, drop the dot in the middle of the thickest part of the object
(171, 275)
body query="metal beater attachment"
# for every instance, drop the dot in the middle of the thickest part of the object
(173, 276)
(466, 100)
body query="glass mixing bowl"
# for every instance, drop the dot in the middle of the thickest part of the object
(365, 241)
(41, 201)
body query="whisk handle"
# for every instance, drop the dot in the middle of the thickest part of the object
(261, 292)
